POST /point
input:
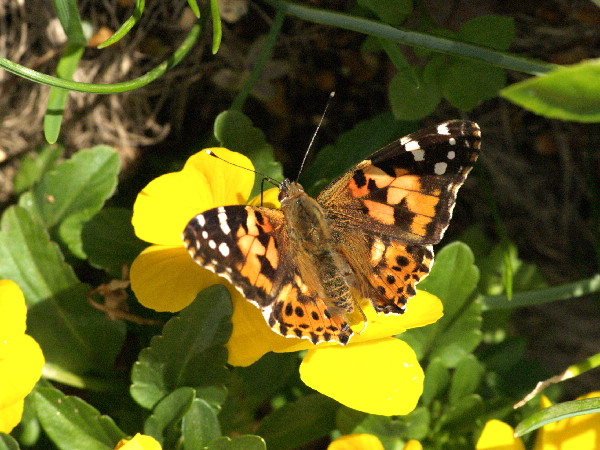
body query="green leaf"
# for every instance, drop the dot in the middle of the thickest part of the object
(392, 12)
(436, 381)
(216, 22)
(235, 131)
(29, 258)
(465, 413)
(193, 4)
(127, 25)
(168, 413)
(347, 419)
(57, 98)
(393, 432)
(68, 15)
(567, 93)
(71, 423)
(77, 187)
(7, 442)
(200, 425)
(245, 442)
(466, 379)
(74, 335)
(34, 165)
(352, 147)
(558, 412)
(266, 376)
(109, 241)
(190, 352)
(466, 83)
(496, 32)
(453, 279)
(83, 182)
(300, 422)
(71, 333)
(410, 100)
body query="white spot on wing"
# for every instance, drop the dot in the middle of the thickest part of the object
(443, 129)
(451, 154)
(212, 244)
(452, 141)
(440, 168)
(224, 249)
(419, 155)
(411, 146)
(204, 234)
(223, 221)
(200, 220)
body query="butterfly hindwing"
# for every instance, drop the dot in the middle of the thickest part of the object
(248, 246)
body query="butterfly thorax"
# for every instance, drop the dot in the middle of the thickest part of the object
(324, 270)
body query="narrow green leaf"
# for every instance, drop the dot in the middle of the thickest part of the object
(199, 334)
(558, 412)
(300, 422)
(7, 442)
(29, 258)
(68, 15)
(71, 423)
(57, 99)
(216, 22)
(127, 25)
(34, 165)
(200, 425)
(109, 241)
(235, 131)
(245, 442)
(466, 379)
(567, 93)
(352, 147)
(563, 292)
(168, 413)
(193, 4)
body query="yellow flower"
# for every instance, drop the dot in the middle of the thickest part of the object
(21, 359)
(138, 442)
(356, 442)
(375, 372)
(413, 445)
(575, 433)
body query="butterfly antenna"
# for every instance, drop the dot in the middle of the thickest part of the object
(266, 177)
(331, 95)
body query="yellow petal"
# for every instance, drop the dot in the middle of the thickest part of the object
(164, 207)
(12, 310)
(413, 445)
(10, 416)
(356, 442)
(168, 279)
(139, 442)
(21, 362)
(378, 377)
(497, 435)
(423, 309)
(575, 433)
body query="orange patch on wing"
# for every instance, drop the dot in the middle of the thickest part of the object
(272, 254)
(408, 183)
(356, 191)
(250, 248)
(380, 212)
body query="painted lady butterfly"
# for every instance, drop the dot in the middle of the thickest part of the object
(369, 234)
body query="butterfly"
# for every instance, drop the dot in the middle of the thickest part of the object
(369, 234)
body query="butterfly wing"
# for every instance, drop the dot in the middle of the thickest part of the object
(397, 203)
(249, 247)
